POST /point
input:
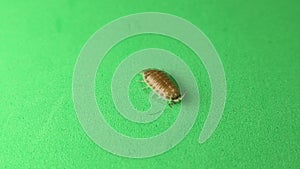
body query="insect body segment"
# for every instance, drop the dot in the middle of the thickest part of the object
(163, 85)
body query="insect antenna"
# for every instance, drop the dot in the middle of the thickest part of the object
(183, 95)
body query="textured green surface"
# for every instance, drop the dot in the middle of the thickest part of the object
(258, 42)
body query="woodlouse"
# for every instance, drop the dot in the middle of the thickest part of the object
(163, 85)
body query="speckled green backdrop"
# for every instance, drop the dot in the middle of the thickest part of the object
(258, 43)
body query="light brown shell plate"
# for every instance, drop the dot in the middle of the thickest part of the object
(161, 83)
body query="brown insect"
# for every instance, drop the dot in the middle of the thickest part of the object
(163, 85)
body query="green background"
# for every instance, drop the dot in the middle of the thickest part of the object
(258, 43)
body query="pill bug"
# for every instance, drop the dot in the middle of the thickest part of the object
(163, 85)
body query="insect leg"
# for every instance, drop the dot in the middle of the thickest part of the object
(146, 87)
(170, 103)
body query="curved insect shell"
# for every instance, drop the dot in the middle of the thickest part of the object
(162, 84)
